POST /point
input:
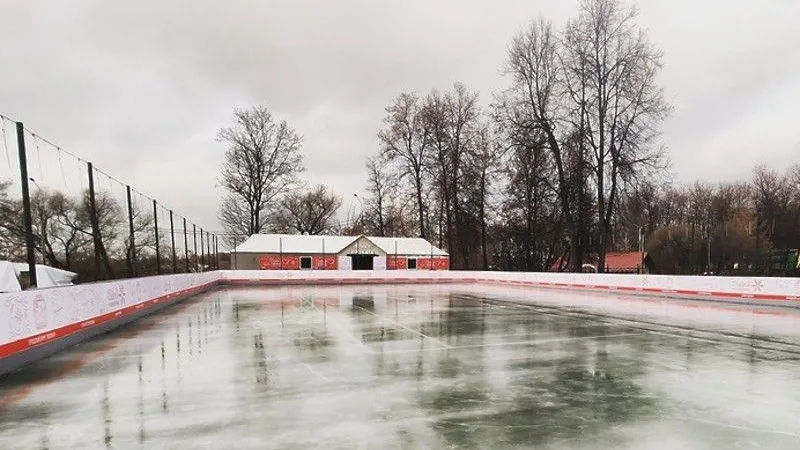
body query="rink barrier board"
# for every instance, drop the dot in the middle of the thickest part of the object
(25, 350)
(687, 294)
(21, 352)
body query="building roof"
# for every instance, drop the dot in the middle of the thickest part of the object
(406, 246)
(313, 244)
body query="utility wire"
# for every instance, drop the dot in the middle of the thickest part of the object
(59, 151)
(5, 141)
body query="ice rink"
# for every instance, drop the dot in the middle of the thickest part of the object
(410, 366)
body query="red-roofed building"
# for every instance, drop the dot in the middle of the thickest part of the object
(616, 262)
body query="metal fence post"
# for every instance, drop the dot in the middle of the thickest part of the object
(194, 254)
(216, 252)
(172, 234)
(158, 249)
(26, 205)
(185, 245)
(202, 252)
(132, 252)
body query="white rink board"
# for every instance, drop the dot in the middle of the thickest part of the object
(34, 312)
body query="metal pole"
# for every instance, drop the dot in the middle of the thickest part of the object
(216, 252)
(158, 250)
(280, 253)
(323, 254)
(194, 254)
(185, 245)
(431, 255)
(212, 249)
(132, 252)
(26, 205)
(202, 252)
(94, 222)
(172, 233)
(210, 240)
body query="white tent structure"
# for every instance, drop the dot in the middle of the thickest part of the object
(46, 276)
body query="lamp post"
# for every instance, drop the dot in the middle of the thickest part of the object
(361, 211)
(641, 246)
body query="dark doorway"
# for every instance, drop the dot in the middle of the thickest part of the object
(362, 262)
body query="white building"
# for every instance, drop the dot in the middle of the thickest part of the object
(304, 252)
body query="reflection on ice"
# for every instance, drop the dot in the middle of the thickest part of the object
(420, 367)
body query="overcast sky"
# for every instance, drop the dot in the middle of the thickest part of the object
(141, 87)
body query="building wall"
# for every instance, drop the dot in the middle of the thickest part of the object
(245, 261)
(258, 261)
(292, 262)
(396, 263)
(423, 262)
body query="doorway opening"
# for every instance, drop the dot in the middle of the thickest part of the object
(362, 262)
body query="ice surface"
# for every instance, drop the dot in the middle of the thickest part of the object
(453, 367)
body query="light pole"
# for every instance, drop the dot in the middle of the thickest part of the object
(361, 211)
(641, 246)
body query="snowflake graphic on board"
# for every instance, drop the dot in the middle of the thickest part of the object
(758, 285)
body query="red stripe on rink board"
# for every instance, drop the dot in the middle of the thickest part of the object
(681, 292)
(67, 330)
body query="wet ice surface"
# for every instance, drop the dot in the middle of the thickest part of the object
(448, 367)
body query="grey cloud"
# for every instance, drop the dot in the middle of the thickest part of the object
(140, 87)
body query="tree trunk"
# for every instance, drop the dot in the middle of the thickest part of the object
(483, 222)
(601, 221)
(420, 207)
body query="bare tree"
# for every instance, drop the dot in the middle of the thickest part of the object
(380, 183)
(311, 212)
(262, 162)
(42, 213)
(538, 105)
(12, 243)
(73, 236)
(144, 237)
(483, 162)
(591, 93)
(452, 121)
(109, 222)
(530, 210)
(405, 140)
(611, 70)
